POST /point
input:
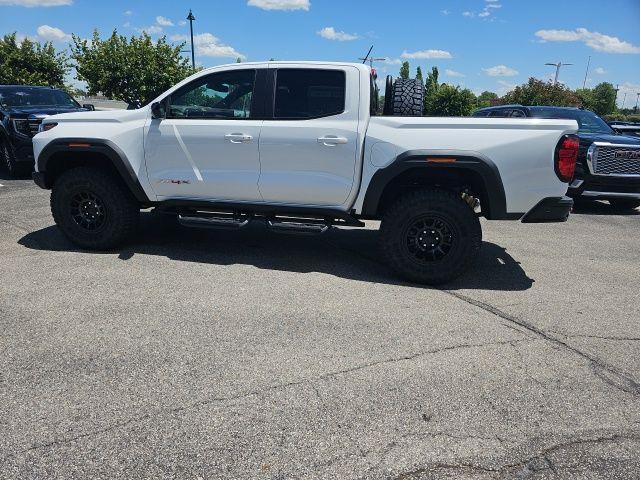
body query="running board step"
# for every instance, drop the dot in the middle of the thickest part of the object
(300, 227)
(224, 222)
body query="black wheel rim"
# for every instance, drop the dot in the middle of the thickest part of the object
(429, 239)
(87, 210)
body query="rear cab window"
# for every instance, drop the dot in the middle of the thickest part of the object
(309, 93)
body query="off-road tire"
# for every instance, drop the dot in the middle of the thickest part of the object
(624, 204)
(121, 212)
(408, 98)
(9, 164)
(447, 208)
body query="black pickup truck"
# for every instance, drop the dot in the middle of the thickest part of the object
(22, 109)
(608, 166)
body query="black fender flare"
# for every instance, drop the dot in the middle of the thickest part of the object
(104, 147)
(442, 160)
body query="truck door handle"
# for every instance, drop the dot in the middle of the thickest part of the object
(238, 137)
(332, 140)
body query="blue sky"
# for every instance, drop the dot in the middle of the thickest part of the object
(479, 44)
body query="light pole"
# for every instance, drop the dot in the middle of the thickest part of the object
(637, 97)
(191, 18)
(557, 65)
(624, 99)
(584, 84)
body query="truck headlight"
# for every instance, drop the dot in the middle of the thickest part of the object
(44, 127)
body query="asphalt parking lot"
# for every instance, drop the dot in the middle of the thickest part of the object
(230, 355)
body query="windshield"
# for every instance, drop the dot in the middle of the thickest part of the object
(29, 96)
(588, 122)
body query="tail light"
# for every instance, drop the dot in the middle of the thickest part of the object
(566, 157)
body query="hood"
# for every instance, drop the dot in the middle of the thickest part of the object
(608, 138)
(102, 116)
(39, 111)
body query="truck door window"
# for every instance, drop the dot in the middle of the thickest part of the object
(225, 95)
(309, 93)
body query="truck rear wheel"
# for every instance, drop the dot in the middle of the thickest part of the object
(430, 236)
(404, 98)
(93, 209)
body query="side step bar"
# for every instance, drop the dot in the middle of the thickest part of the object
(300, 227)
(208, 221)
(234, 217)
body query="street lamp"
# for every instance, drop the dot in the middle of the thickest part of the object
(557, 65)
(191, 18)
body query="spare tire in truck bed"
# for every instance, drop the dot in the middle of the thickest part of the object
(403, 98)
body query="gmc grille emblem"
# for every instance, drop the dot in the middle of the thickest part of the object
(628, 154)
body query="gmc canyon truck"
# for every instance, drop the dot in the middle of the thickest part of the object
(298, 146)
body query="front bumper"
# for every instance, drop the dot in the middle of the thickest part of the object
(22, 150)
(551, 209)
(605, 187)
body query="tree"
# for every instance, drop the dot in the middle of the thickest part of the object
(134, 70)
(537, 92)
(586, 97)
(404, 70)
(450, 101)
(31, 63)
(432, 82)
(419, 74)
(487, 99)
(603, 99)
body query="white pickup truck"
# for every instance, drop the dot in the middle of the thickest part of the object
(298, 145)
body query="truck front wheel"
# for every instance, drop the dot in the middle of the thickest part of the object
(93, 209)
(430, 236)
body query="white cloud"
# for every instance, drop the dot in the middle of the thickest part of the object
(596, 41)
(453, 73)
(422, 54)
(163, 21)
(208, 45)
(484, 13)
(128, 13)
(36, 3)
(331, 33)
(493, 5)
(151, 29)
(500, 71)
(182, 23)
(280, 4)
(468, 14)
(126, 24)
(52, 34)
(445, 12)
(392, 61)
(600, 71)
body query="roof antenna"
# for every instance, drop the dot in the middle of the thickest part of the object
(364, 60)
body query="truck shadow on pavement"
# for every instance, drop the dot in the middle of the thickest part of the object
(346, 253)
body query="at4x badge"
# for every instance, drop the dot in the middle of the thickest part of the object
(175, 181)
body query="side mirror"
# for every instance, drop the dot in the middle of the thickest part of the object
(157, 110)
(89, 106)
